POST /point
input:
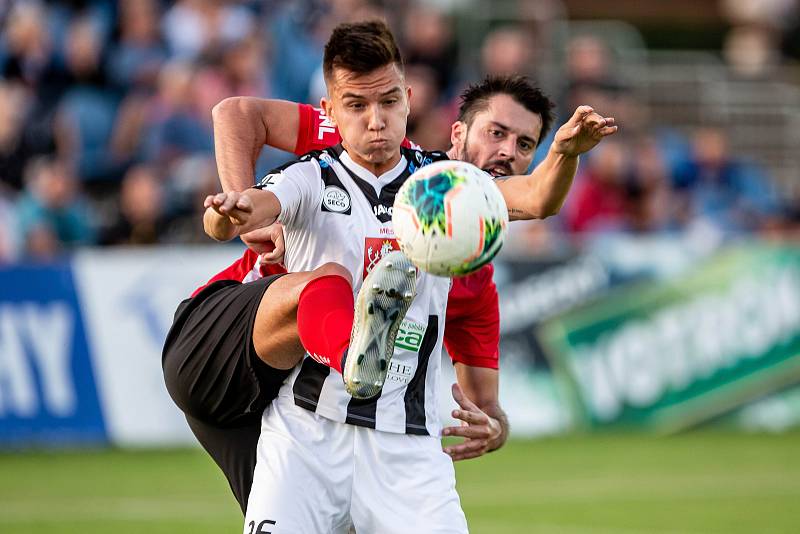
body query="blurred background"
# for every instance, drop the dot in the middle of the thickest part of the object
(650, 331)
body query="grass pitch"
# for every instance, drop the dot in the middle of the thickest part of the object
(626, 484)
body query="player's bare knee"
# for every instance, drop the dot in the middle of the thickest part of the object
(333, 268)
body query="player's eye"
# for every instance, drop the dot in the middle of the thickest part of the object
(497, 134)
(356, 106)
(525, 146)
(390, 101)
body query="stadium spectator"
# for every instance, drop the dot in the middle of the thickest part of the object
(588, 61)
(52, 215)
(137, 56)
(192, 27)
(141, 217)
(598, 199)
(647, 191)
(26, 47)
(236, 69)
(15, 148)
(719, 189)
(429, 42)
(428, 122)
(86, 107)
(174, 126)
(752, 52)
(507, 51)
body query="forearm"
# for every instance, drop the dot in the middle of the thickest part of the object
(482, 385)
(230, 214)
(542, 193)
(552, 180)
(218, 226)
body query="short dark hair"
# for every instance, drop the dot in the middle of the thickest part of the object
(360, 47)
(475, 98)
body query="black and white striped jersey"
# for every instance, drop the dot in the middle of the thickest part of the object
(334, 210)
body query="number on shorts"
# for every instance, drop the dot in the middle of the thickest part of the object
(254, 530)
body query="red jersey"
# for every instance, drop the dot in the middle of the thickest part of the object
(472, 322)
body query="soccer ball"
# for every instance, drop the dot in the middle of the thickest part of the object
(450, 218)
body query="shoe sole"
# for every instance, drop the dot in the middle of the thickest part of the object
(381, 305)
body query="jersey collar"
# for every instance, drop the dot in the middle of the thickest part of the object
(377, 182)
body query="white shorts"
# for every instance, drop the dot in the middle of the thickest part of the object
(317, 476)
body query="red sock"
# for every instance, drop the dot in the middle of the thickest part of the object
(325, 319)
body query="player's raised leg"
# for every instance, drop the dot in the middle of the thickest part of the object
(308, 311)
(382, 304)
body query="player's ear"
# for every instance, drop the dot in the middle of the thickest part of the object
(408, 99)
(327, 107)
(458, 135)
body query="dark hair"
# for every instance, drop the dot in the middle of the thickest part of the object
(475, 98)
(360, 47)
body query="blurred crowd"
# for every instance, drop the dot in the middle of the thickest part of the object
(106, 134)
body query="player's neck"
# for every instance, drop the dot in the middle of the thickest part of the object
(375, 168)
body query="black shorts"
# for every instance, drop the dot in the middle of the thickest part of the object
(211, 368)
(214, 375)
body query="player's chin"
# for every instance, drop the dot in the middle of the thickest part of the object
(380, 152)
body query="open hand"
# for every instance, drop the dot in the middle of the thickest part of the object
(582, 132)
(478, 429)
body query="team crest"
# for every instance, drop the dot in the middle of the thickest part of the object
(376, 248)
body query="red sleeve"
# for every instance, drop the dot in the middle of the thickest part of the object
(316, 132)
(241, 268)
(472, 324)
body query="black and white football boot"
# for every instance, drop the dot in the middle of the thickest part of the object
(381, 305)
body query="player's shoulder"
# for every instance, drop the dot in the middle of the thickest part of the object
(422, 157)
(309, 163)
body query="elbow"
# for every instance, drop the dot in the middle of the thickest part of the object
(233, 106)
(549, 211)
(543, 210)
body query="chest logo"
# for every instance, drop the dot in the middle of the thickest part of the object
(335, 199)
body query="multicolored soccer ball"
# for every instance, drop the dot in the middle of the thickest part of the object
(450, 218)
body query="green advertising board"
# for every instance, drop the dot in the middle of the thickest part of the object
(670, 355)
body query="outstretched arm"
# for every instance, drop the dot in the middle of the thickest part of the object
(542, 193)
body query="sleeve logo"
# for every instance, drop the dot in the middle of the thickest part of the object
(270, 180)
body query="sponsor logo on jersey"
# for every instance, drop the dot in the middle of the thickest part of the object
(326, 126)
(335, 199)
(376, 248)
(380, 209)
(409, 336)
(401, 372)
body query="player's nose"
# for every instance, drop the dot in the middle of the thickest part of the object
(508, 148)
(376, 119)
